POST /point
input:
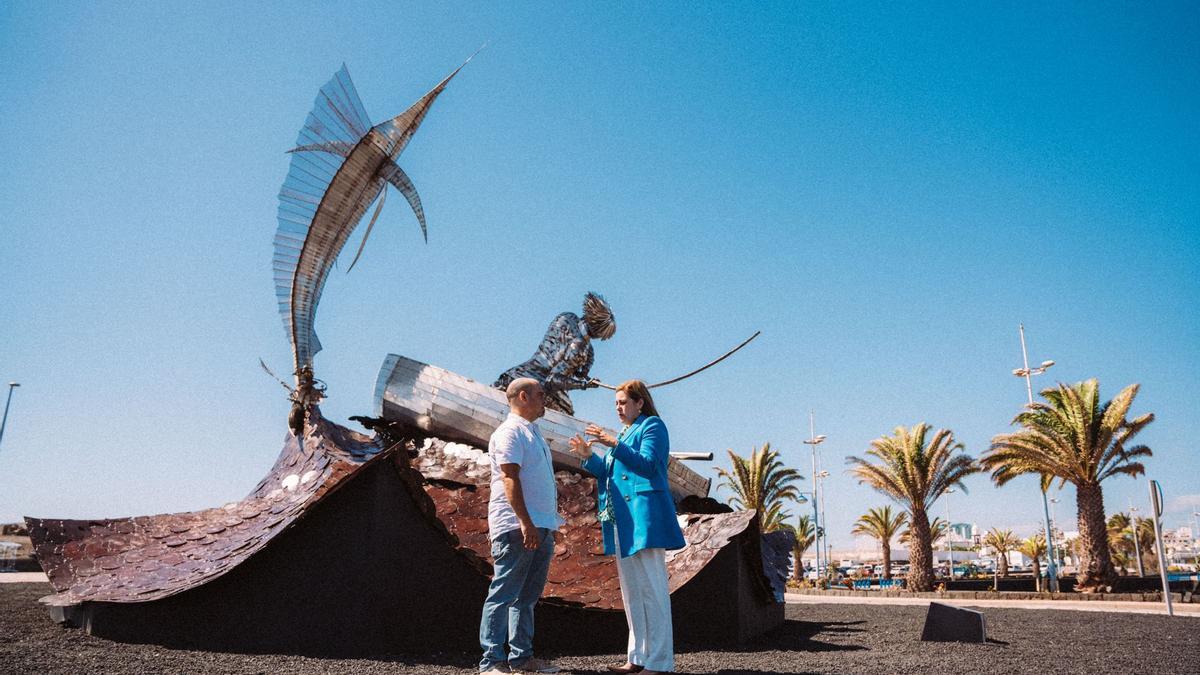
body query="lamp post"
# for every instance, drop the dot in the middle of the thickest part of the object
(949, 531)
(1027, 372)
(1053, 523)
(814, 440)
(821, 476)
(4, 422)
(1195, 535)
(799, 564)
(1137, 547)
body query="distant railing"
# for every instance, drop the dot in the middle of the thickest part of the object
(877, 584)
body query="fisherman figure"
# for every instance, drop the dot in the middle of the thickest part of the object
(563, 359)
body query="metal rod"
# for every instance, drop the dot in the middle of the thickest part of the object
(1137, 548)
(697, 371)
(1156, 511)
(950, 531)
(7, 402)
(1051, 568)
(702, 456)
(812, 435)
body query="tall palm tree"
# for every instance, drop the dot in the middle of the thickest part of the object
(938, 528)
(805, 536)
(761, 482)
(1076, 439)
(1034, 548)
(915, 471)
(1001, 541)
(883, 525)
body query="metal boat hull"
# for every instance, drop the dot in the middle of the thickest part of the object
(450, 406)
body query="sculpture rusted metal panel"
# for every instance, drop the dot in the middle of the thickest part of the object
(150, 557)
(579, 573)
(151, 560)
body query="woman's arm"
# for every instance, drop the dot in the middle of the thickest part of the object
(595, 466)
(591, 462)
(651, 453)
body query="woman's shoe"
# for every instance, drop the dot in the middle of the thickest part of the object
(626, 668)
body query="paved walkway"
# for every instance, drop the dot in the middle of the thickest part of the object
(1181, 609)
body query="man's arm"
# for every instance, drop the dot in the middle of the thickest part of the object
(511, 475)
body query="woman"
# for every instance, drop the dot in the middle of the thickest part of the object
(637, 516)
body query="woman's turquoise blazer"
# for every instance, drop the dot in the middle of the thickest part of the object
(643, 509)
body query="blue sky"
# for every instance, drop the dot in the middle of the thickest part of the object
(884, 192)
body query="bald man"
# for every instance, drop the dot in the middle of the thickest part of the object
(522, 520)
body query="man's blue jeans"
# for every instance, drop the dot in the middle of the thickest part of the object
(520, 576)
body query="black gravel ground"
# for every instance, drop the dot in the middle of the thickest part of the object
(815, 639)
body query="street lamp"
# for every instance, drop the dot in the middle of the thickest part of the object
(1195, 534)
(949, 531)
(801, 499)
(1053, 523)
(1137, 548)
(821, 476)
(1026, 372)
(814, 440)
(4, 422)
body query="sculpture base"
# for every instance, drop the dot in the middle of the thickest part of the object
(369, 572)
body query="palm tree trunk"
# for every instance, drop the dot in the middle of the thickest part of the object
(1037, 575)
(1096, 568)
(920, 553)
(887, 559)
(797, 564)
(1002, 561)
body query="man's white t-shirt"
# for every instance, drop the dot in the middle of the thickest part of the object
(518, 441)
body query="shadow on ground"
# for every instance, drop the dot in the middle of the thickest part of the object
(793, 635)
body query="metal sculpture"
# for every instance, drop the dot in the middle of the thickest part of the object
(388, 524)
(564, 357)
(384, 518)
(340, 165)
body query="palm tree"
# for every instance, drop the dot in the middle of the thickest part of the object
(761, 482)
(1001, 541)
(1120, 540)
(914, 472)
(1034, 548)
(775, 518)
(1074, 438)
(883, 525)
(1120, 545)
(805, 535)
(938, 528)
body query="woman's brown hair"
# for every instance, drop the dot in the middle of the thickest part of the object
(637, 390)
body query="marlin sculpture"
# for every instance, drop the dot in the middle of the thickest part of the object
(340, 165)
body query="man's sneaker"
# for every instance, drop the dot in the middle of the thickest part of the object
(498, 669)
(535, 665)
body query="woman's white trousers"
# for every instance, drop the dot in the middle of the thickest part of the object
(647, 601)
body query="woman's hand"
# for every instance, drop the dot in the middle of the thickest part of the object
(582, 448)
(596, 432)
